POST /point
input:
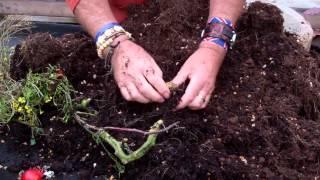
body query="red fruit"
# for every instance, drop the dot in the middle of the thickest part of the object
(32, 174)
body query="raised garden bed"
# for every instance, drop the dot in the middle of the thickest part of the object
(262, 122)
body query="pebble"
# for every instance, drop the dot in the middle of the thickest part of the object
(52, 118)
(49, 174)
(311, 84)
(84, 157)
(253, 118)
(83, 82)
(94, 76)
(3, 167)
(243, 159)
(2, 141)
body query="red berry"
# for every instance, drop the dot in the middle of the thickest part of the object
(32, 174)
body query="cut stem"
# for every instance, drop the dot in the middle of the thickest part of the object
(118, 146)
(137, 154)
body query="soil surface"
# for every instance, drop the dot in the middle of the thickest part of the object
(263, 120)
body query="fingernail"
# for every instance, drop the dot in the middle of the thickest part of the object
(161, 100)
(167, 95)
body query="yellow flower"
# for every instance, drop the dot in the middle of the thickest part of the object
(15, 105)
(22, 100)
(27, 107)
(20, 109)
(29, 111)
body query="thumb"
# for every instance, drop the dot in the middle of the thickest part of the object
(180, 78)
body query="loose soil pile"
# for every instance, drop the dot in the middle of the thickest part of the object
(262, 122)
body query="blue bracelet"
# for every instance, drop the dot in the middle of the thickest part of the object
(219, 41)
(104, 29)
(221, 20)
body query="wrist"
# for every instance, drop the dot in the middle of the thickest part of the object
(212, 46)
(115, 45)
(219, 31)
(108, 38)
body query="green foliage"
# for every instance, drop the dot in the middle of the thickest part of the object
(36, 91)
(8, 89)
(9, 26)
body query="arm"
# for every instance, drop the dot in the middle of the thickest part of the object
(135, 71)
(229, 9)
(93, 14)
(203, 66)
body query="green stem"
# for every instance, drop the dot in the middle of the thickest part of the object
(137, 154)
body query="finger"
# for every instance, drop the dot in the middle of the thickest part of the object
(157, 69)
(125, 93)
(157, 82)
(147, 90)
(199, 100)
(207, 101)
(180, 78)
(135, 94)
(192, 91)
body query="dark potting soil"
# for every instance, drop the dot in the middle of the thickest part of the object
(262, 122)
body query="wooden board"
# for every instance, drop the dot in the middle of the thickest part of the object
(35, 8)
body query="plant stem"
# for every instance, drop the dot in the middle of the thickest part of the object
(145, 133)
(118, 145)
(137, 154)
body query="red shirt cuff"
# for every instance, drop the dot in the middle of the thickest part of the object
(72, 4)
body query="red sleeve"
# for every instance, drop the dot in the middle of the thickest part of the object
(72, 4)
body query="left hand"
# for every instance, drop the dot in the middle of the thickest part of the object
(201, 69)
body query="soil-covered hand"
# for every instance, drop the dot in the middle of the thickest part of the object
(137, 74)
(201, 69)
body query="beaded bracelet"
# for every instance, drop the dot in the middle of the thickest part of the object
(106, 35)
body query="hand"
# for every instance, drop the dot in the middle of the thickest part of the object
(137, 74)
(201, 68)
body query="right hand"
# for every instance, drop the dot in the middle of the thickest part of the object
(137, 74)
